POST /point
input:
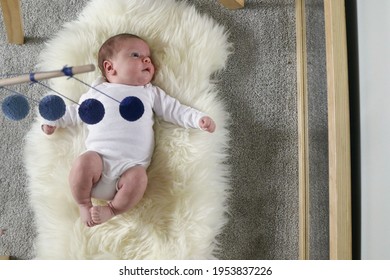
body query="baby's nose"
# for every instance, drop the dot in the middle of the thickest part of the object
(146, 59)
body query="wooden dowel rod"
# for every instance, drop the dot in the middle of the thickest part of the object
(46, 75)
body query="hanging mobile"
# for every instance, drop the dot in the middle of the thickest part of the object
(51, 107)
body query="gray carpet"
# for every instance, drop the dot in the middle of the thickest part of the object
(259, 88)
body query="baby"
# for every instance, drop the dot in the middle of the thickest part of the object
(119, 151)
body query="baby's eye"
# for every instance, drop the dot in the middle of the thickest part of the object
(135, 55)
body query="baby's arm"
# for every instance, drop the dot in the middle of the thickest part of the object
(70, 118)
(207, 124)
(172, 111)
(48, 129)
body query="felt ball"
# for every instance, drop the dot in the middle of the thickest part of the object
(52, 107)
(131, 108)
(91, 111)
(15, 107)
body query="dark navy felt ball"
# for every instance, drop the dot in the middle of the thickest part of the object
(131, 108)
(15, 107)
(91, 111)
(52, 107)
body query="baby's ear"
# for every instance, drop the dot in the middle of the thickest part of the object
(108, 67)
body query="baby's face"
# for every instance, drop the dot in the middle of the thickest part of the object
(132, 64)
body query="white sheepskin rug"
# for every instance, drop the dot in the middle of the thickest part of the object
(184, 208)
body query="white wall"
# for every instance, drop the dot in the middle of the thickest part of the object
(374, 61)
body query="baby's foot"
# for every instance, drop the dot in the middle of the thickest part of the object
(101, 214)
(85, 215)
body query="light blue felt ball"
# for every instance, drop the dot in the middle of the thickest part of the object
(15, 107)
(52, 107)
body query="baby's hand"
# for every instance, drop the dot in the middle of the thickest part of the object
(48, 129)
(207, 124)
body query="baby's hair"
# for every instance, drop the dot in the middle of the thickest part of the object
(110, 46)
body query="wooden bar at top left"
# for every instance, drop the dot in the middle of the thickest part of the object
(13, 21)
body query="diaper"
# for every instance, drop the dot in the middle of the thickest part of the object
(106, 188)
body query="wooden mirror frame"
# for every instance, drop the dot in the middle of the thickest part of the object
(340, 216)
(13, 20)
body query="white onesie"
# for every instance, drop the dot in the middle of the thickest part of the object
(121, 143)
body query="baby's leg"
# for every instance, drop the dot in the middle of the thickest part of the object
(131, 188)
(85, 173)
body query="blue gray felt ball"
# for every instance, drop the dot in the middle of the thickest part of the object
(131, 108)
(91, 111)
(15, 107)
(52, 107)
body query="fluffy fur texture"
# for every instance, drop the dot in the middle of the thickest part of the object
(184, 208)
